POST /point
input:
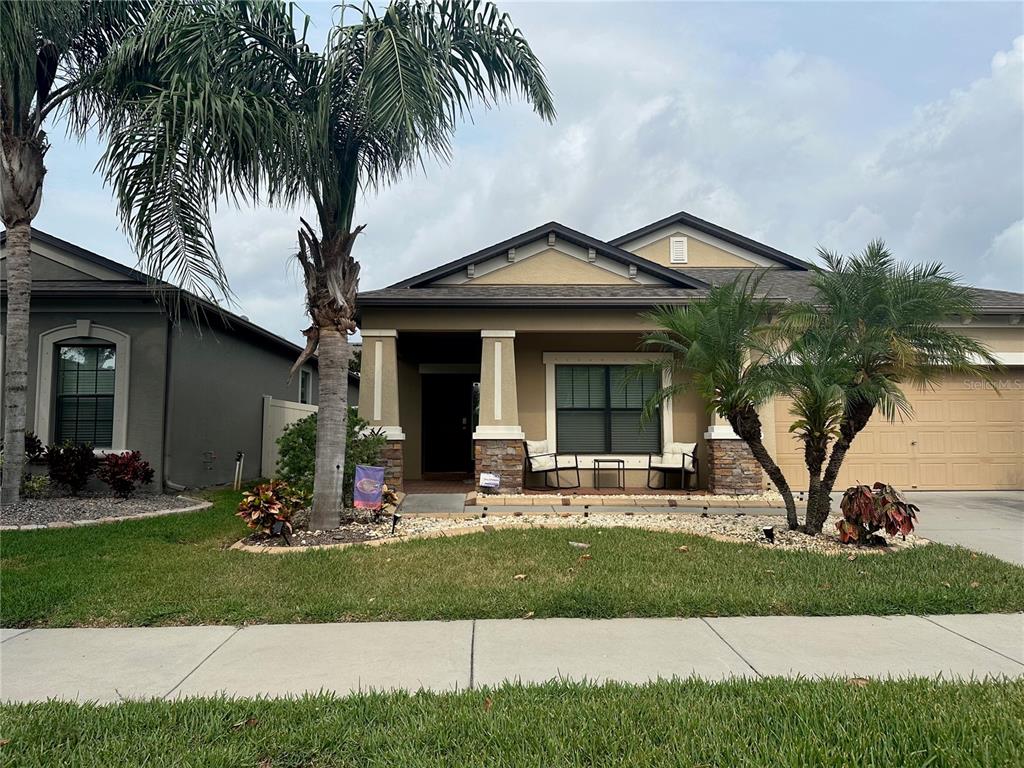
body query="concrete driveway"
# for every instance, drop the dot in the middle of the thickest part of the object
(985, 521)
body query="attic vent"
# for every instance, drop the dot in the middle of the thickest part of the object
(470, 270)
(551, 239)
(632, 271)
(677, 250)
(511, 255)
(591, 255)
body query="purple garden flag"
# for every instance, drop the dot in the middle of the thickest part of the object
(367, 489)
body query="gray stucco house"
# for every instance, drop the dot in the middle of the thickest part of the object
(109, 366)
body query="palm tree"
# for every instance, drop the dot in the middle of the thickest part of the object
(260, 116)
(48, 53)
(876, 326)
(723, 347)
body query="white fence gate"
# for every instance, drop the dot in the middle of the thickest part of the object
(277, 415)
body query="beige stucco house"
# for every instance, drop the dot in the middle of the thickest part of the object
(528, 340)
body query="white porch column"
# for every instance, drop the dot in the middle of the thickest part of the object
(378, 397)
(498, 439)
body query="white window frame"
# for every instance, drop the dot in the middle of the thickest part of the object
(85, 331)
(552, 359)
(683, 256)
(307, 372)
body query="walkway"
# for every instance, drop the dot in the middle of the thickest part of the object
(276, 660)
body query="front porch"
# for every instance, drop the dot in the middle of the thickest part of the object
(456, 404)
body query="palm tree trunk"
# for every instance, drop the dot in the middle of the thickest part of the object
(853, 422)
(817, 507)
(747, 425)
(19, 294)
(331, 429)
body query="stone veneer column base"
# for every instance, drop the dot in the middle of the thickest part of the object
(733, 469)
(502, 457)
(394, 464)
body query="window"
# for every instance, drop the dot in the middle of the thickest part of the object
(598, 409)
(305, 386)
(85, 394)
(677, 250)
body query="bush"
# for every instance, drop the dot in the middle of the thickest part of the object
(269, 503)
(867, 509)
(71, 465)
(124, 472)
(35, 486)
(34, 449)
(297, 446)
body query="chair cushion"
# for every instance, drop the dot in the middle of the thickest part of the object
(536, 447)
(676, 456)
(542, 463)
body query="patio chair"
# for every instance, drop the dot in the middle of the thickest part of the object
(541, 460)
(677, 457)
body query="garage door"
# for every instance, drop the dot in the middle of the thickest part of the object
(963, 435)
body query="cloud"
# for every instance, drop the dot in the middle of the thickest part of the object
(786, 143)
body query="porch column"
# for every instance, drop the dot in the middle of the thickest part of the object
(378, 398)
(732, 468)
(498, 440)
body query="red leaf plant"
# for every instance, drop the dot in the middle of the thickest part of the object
(269, 503)
(867, 509)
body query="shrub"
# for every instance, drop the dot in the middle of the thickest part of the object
(297, 446)
(71, 465)
(34, 449)
(270, 503)
(867, 509)
(35, 486)
(124, 472)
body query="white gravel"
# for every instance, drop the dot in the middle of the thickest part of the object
(724, 526)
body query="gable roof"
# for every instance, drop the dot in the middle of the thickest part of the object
(727, 235)
(139, 284)
(670, 276)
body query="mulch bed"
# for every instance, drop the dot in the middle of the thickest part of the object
(88, 506)
(354, 528)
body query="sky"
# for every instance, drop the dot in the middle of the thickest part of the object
(799, 124)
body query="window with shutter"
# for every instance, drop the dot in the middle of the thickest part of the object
(599, 409)
(678, 253)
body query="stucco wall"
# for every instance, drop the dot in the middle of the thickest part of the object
(699, 253)
(551, 267)
(216, 403)
(148, 331)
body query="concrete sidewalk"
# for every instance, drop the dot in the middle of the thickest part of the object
(109, 665)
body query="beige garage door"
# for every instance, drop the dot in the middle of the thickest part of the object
(963, 435)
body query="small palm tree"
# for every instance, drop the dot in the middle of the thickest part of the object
(260, 116)
(723, 347)
(49, 53)
(876, 326)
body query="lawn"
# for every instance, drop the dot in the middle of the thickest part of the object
(176, 570)
(740, 723)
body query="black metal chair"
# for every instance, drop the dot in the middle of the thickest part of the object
(677, 457)
(540, 460)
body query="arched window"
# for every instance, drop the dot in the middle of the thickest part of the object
(82, 385)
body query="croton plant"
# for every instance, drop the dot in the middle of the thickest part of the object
(867, 509)
(268, 504)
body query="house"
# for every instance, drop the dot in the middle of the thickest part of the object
(529, 339)
(109, 365)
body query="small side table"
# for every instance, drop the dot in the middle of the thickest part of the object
(619, 465)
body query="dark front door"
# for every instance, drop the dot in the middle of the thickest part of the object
(448, 423)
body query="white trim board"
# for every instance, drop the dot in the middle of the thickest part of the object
(85, 330)
(551, 359)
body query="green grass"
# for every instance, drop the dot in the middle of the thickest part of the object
(176, 570)
(733, 724)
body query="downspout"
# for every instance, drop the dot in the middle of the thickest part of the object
(168, 400)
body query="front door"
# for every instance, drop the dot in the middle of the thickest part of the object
(448, 423)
